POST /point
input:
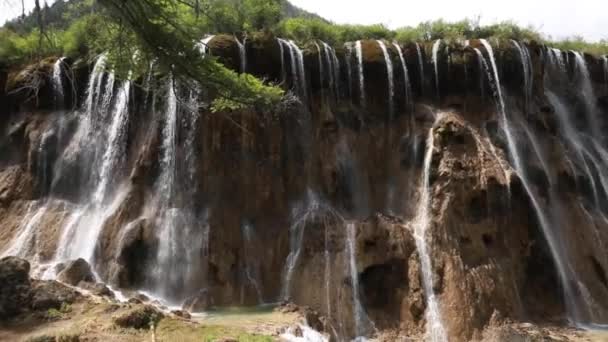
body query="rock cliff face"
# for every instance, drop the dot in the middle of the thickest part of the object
(320, 201)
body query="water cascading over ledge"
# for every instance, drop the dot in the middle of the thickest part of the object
(318, 203)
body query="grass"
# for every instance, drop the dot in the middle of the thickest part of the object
(175, 330)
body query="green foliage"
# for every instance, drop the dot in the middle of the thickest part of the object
(53, 314)
(577, 43)
(466, 29)
(307, 29)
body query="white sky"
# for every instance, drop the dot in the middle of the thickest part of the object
(558, 18)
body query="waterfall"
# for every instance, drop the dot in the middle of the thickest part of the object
(526, 63)
(167, 246)
(421, 67)
(483, 69)
(242, 54)
(406, 77)
(94, 89)
(321, 70)
(115, 151)
(312, 210)
(85, 238)
(436, 46)
(354, 277)
(557, 252)
(301, 72)
(298, 74)
(282, 52)
(605, 59)
(20, 246)
(327, 275)
(203, 45)
(251, 276)
(390, 77)
(422, 222)
(349, 68)
(334, 69)
(57, 80)
(105, 101)
(43, 161)
(359, 51)
(586, 88)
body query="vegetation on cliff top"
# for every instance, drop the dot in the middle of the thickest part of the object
(167, 32)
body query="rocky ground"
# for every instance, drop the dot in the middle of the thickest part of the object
(48, 311)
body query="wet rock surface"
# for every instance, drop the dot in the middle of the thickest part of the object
(76, 271)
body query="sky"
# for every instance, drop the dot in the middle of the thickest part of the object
(558, 18)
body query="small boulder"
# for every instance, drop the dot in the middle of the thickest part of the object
(197, 303)
(182, 314)
(141, 317)
(97, 289)
(76, 271)
(14, 286)
(51, 295)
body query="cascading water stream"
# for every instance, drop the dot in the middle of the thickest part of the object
(483, 69)
(354, 278)
(421, 67)
(406, 77)
(251, 276)
(203, 45)
(359, 52)
(588, 95)
(605, 59)
(436, 46)
(57, 80)
(422, 222)
(20, 246)
(526, 63)
(85, 238)
(281, 43)
(321, 70)
(557, 251)
(349, 69)
(334, 69)
(242, 54)
(298, 73)
(94, 89)
(391, 81)
(167, 248)
(301, 73)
